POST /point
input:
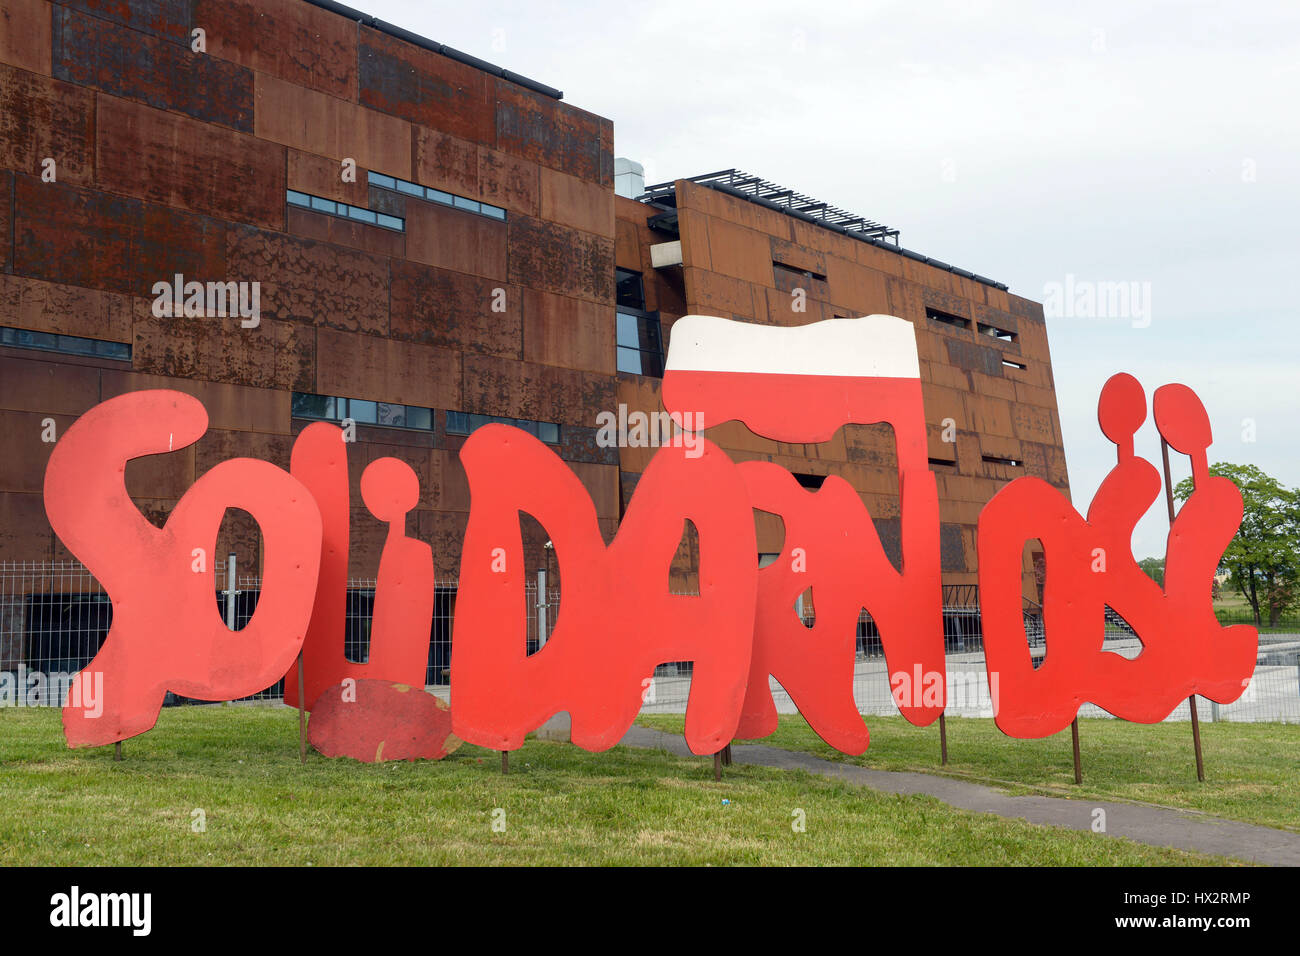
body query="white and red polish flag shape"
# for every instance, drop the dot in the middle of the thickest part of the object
(798, 383)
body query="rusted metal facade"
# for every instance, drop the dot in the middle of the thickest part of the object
(495, 297)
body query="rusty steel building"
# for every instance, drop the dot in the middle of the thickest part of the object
(436, 242)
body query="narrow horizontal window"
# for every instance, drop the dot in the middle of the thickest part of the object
(943, 463)
(442, 197)
(812, 482)
(343, 211)
(794, 272)
(333, 408)
(1010, 462)
(947, 318)
(465, 423)
(994, 332)
(67, 344)
(1010, 364)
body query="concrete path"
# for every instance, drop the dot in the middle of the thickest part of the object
(1184, 830)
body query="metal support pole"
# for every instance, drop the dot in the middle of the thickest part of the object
(943, 740)
(117, 750)
(1191, 701)
(717, 766)
(1074, 735)
(505, 761)
(302, 712)
(541, 608)
(230, 590)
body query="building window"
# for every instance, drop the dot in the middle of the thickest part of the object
(67, 344)
(408, 188)
(331, 408)
(344, 211)
(947, 318)
(1008, 462)
(1019, 366)
(640, 347)
(783, 270)
(811, 482)
(463, 423)
(629, 289)
(994, 332)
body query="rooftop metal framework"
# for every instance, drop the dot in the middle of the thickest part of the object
(758, 190)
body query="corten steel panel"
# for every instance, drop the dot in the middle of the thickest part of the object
(579, 443)
(444, 531)
(547, 131)
(320, 176)
(42, 118)
(627, 241)
(606, 151)
(35, 386)
(544, 393)
(204, 349)
(287, 38)
(162, 18)
(574, 333)
(575, 202)
(508, 181)
(160, 73)
(22, 466)
(354, 365)
(162, 476)
(712, 294)
(601, 482)
(25, 533)
(548, 256)
(228, 406)
(328, 126)
(974, 358)
(741, 253)
(693, 227)
(168, 159)
(454, 310)
(25, 34)
(863, 291)
(448, 483)
(49, 307)
(219, 444)
(801, 257)
(438, 235)
(309, 281)
(345, 232)
(446, 162)
(6, 221)
(1032, 424)
(169, 241)
(425, 87)
(295, 356)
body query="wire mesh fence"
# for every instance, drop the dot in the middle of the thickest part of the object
(54, 616)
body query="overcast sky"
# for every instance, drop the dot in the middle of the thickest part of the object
(1155, 144)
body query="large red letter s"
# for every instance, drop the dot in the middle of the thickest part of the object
(166, 631)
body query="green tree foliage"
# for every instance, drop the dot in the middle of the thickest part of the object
(1155, 569)
(1264, 557)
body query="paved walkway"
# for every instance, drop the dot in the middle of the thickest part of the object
(1145, 824)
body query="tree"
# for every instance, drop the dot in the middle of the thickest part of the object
(1155, 569)
(1264, 557)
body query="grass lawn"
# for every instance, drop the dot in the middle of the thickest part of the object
(561, 805)
(1252, 771)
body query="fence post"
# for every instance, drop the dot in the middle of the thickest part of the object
(541, 608)
(230, 590)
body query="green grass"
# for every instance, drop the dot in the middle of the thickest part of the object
(1252, 771)
(562, 806)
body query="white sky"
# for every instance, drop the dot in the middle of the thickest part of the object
(1135, 142)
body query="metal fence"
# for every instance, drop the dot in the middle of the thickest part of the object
(55, 615)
